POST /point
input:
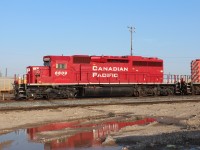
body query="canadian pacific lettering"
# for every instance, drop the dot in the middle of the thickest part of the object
(102, 71)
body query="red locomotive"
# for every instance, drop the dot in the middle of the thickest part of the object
(96, 76)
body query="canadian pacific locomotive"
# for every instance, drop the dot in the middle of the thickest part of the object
(100, 76)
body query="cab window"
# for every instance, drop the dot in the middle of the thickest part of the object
(61, 66)
(47, 62)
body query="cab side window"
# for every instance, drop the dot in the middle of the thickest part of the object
(61, 66)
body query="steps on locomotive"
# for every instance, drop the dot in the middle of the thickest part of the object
(183, 89)
(22, 88)
(21, 91)
(177, 88)
(189, 88)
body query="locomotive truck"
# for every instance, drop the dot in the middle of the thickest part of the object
(101, 76)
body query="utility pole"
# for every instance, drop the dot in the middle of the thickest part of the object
(6, 72)
(131, 29)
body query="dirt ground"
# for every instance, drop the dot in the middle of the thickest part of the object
(182, 118)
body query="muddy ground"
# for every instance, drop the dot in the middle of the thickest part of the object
(177, 123)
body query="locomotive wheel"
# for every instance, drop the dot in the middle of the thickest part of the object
(158, 92)
(47, 96)
(75, 94)
(143, 93)
(154, 93)
(31, 97)
(72, 94)
(169, 92)
(136, 93)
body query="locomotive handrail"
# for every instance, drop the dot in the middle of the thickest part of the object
(172, 78)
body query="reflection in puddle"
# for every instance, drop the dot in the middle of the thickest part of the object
(70, 135)
(76, 134)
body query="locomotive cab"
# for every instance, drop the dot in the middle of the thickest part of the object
(53, 71)
(37, 74)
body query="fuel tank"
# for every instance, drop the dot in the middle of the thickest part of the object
(107, 91)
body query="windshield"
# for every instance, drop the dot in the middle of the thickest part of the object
(47, 63)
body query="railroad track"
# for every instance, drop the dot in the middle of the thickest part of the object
(42, 104)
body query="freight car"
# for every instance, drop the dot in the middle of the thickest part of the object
(6, 84)
(6, 88)
(99, 76)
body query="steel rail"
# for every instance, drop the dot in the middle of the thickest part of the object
(45, 104)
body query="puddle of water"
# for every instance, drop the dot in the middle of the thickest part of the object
(66, 135)
(17, 141)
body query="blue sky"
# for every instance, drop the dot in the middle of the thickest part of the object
(30, 29)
